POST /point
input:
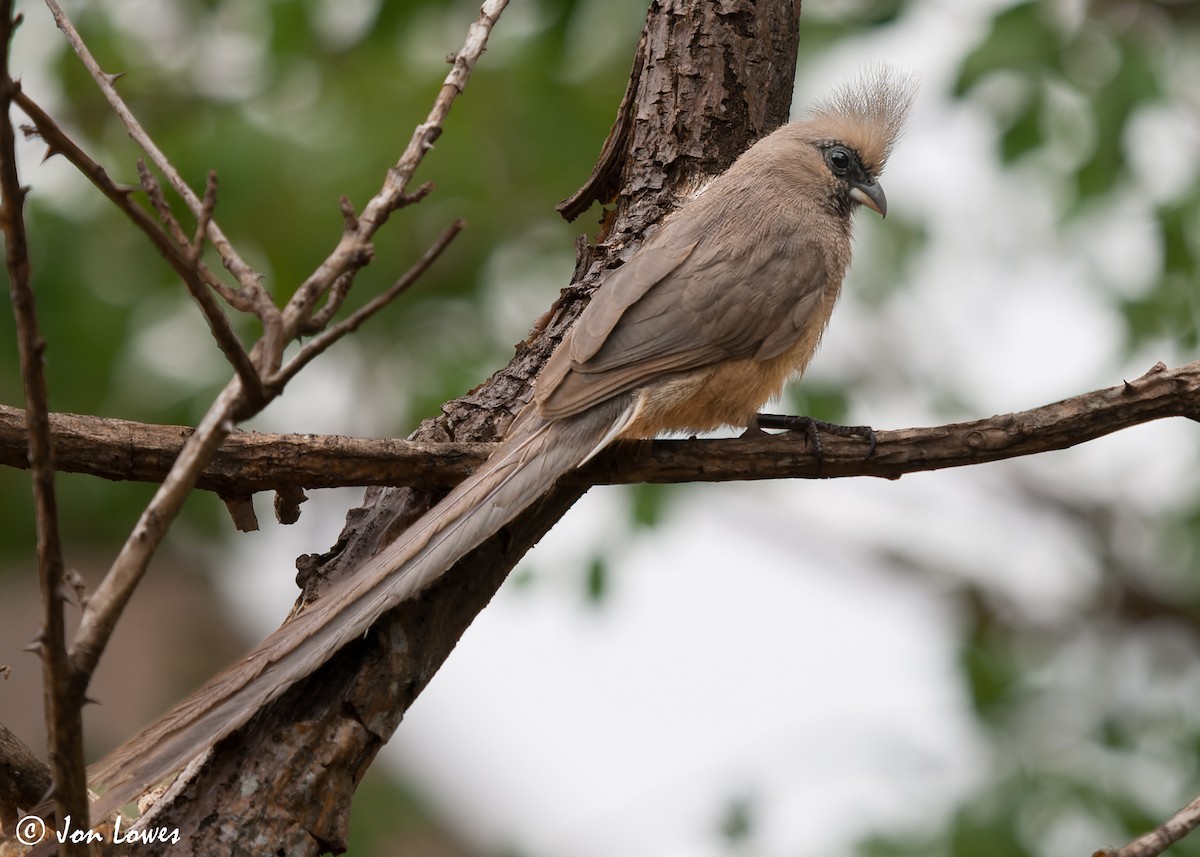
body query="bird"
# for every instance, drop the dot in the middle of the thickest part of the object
(699, 328)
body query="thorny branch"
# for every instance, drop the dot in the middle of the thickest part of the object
(58, 143)
(353, 251)
(244, 394)
(62, 691)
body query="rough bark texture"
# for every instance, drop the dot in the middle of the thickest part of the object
(249, 462)
(24, 778)
(712, 77)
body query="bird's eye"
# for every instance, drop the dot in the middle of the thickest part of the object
(840, 160)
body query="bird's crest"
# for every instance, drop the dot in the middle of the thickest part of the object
(867, 113)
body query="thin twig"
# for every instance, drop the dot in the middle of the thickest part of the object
(1162, 837)
(321, 343)
(241, 271)
(337, 296)
(62, 691)
(353, 250)
(197, 276)
(196, 246)
(158, 201)
(58, 143)
(189, 251)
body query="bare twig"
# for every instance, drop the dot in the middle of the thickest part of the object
(321, 343)
(158, 201)
(189, 250)
(172, 247)
(1162, 837)
(337, 296)
(62, 691)
(58, 143)
(242, 272)
(353, 251)
(196, 245)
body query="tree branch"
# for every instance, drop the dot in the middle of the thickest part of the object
(107, 603)
(58, 143)
(189, 269)
(62, 691)
(176, 248)
(354, 249)
(1162, 837)
(319, 344)
(248, 462)
(241, 398)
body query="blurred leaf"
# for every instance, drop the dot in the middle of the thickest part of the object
(1171, 309)
(825, 402)
(1134, 84)
(1025, 132)
(991, 671)
(649, 502)
(597, 579)
(737, 824)
(1019, 40)
(1179, 226)
(986, 835)
(388, 817)
(826, 23)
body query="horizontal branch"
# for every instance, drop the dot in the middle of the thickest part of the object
(249, 462)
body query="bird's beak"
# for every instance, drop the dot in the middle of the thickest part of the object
(870, 195)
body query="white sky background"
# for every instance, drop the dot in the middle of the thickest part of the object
(756, 645)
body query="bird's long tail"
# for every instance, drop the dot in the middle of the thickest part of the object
(521, 470)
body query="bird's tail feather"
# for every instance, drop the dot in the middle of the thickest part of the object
(522, 469)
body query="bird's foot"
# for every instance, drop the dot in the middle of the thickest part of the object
(812, 429)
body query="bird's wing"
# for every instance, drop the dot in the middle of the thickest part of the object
(679, 306)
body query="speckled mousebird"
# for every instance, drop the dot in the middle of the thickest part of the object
(703, 324)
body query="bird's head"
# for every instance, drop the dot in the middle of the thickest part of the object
(851, 134)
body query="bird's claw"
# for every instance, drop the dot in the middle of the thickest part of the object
(812, 428)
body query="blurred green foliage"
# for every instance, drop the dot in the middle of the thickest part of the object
(1073, 84)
